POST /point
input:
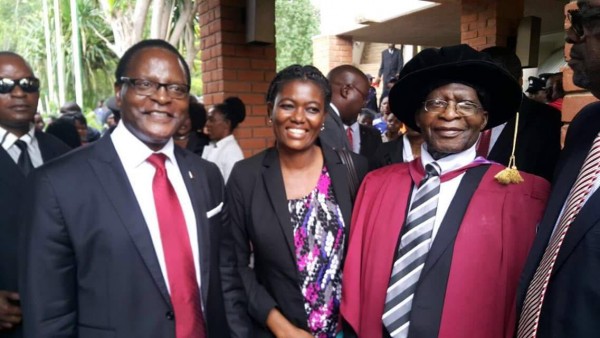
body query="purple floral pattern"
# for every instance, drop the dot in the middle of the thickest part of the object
(319, 239)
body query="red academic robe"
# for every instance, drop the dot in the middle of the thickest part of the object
(489, 252)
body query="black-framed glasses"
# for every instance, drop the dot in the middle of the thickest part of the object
(463, 108)
(580, 18)
(148, 87)
(27, 84)
(364, 95)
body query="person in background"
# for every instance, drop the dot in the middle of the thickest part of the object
(64, 129)
(190, 136)
(536, 89)
(366, 117)
(555, 91)
(223, 149)
(72, 112)
(291, 206)
(392, 61)
(381, 121)
(38, 121)
(22, 149)
(372, 97)
(437, 245)
(392, 131)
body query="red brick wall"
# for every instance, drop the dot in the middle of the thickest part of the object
(487, 23)
(331, 51)
(576, 97)
(231, 67)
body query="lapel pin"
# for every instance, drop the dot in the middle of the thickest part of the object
(191, 176)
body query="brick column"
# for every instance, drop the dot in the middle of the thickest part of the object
(576, 97)
(231, 67)
(330, 51)
(487, 23)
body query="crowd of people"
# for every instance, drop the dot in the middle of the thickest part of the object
(464, 218)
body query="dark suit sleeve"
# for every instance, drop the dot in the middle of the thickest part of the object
(242, 287)
(47, 278)
(400, 60)
(381, 66)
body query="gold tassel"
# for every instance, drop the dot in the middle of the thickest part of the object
(511, 175)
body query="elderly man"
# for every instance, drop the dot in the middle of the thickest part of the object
(123, 240)
(559, 295)
(23, 148)
(437, 245)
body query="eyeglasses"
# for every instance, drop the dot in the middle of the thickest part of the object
(27, 84)
(364, 95)
(580, 18)
(463, 108)
(147, 87)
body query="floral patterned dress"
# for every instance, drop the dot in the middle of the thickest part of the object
(319, 239)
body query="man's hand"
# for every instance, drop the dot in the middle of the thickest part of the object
(10, 312)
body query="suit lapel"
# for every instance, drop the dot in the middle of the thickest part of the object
(9, 170)
(338, 173)
(110, 172)
(276, 190)
(197, 187)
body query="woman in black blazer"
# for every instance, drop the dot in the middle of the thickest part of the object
(290, 206)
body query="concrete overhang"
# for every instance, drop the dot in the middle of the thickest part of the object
(438, 24)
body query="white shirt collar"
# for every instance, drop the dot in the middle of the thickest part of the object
(450, 162)
(134, 152)
(222, 142)
(8, 139)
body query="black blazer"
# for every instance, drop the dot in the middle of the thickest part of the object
(370, 140)
(572, 303)
(89, 266)
(391, 64)
(387, 153)
(260, 222)
(334, 133)
(538, 139)
(12, 186)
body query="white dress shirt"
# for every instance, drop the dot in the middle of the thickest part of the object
(8, 143)
(447, 189)
(133, 154)
(407, 154)
(224, 153)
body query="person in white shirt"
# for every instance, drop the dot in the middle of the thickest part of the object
(223, 148)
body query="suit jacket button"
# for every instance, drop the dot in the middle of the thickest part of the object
(170, 315)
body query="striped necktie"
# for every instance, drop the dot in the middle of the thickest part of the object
(534, 299)
(414, 246)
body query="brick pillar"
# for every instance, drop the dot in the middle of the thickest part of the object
(487, 23)
(231, 67)
(330, 51)
(576, 97)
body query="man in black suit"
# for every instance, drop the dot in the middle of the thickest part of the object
(22, 149)
(559, 293)
(538, 130)
(392, 62)
(350, 88)
(123, 240)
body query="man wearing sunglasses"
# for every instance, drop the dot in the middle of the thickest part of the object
(559, 294)
(22, 149)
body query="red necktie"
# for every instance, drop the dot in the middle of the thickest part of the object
(185, 296)
(350, 138)
(483, 148)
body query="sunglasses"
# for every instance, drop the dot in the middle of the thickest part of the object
(580, 18)
(27, 84)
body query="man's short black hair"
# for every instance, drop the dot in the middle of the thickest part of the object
(145, 44)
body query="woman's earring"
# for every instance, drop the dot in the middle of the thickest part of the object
(323, 127)
(269, 122)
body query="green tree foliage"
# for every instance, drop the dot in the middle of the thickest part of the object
(296, 22)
